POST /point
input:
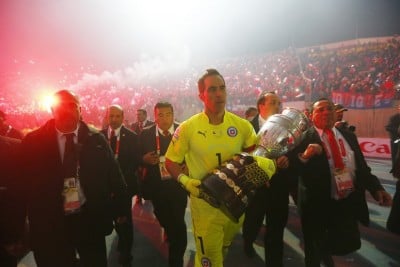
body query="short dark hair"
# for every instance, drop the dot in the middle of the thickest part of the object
(163, 104)
(117, 107)
(249, 110)
(207, 73)
(142, 110)
(340, 108)
(318, 100)
(261, 98)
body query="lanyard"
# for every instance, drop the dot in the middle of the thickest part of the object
(342, 147)
(158, 142)
(117, 148)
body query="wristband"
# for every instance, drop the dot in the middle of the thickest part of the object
(180, 176)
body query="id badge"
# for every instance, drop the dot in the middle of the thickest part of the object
(71, 196)
(344, 183)
(165, 175)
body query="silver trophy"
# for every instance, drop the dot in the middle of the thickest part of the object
(231, 186)
(281, 133)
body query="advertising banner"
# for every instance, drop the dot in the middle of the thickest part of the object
(375, 147)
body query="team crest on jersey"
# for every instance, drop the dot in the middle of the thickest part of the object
(205, 262)
(232, 131)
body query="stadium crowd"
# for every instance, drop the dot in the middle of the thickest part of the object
(369, 68)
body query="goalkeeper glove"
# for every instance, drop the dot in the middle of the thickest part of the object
(267, 165)
(190, 184)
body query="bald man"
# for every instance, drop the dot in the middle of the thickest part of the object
(71, 180)
(124, 144)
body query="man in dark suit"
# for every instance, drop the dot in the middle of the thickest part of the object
(11, 207)
(269, 202)
(340, 123)
(333, 178)
(71, 180)
(141, 121)
(124, 144)
(393, 128)
(138, 126)
(250, 113)
(168, 197)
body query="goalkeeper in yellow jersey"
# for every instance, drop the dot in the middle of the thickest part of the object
(204, 142)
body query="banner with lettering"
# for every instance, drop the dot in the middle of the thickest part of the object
(375, 147)
(363, 101)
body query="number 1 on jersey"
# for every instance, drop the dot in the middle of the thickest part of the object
(219, 158)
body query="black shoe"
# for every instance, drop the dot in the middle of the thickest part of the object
(249, 250)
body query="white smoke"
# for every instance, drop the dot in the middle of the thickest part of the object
(143, 72)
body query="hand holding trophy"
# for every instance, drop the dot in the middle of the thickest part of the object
(230, 186)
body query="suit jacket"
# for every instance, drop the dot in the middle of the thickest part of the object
(279, 182)
(11, 206)
(128, 157)
(393, 125)
(100, 179)
(147, 142)
(255, 123)
(11, 132)
(392, 128)
(136, 129)
(315, 179)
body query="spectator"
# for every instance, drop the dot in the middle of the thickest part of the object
(340, 123)
(168, 197)
(393, 221)
(393, 128)
(70, 177)
(270, 202)
(250, 113)
(332, 187)
(124, 144)
(137, 127)
(142, 121)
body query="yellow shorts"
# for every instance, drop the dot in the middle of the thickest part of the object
(213, 233)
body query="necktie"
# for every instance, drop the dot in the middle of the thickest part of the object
(166, 133)
(337, 158)
(140, 126)
(113, 140)
(69, 160)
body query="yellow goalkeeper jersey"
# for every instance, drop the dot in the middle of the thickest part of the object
(204, 146)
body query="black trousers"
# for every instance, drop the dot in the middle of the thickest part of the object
(271, 202)
(314, 227)
(125, 236)
(125, 239)
(59, 249)
(330, 227)
(169, 204)
(393, 222)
